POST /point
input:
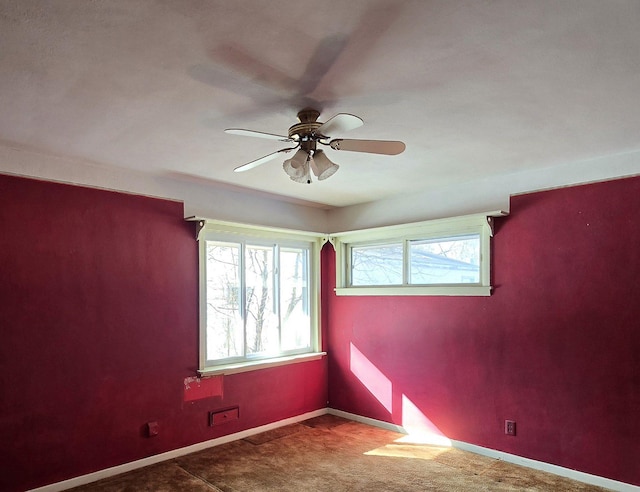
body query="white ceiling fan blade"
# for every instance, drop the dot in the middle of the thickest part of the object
(262, 160)
(340, 123)
(387, 147)
(252, 133)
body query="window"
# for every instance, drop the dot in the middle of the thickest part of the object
(259, 297)
(444, 261)
(379, 264)
(440, 257)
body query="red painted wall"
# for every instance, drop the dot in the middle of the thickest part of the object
(98, 325)
(555, 348)
(98, 331)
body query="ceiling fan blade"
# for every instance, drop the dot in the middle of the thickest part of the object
(262, 160)
(340, 123)
(387, 147)
(252, 133)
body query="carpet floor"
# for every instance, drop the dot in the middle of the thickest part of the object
(329, 453)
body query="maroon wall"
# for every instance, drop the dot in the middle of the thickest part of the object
(99, 329)
(98, 324)
(555, 348)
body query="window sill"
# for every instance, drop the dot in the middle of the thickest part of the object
(259, 364)
(457, 290)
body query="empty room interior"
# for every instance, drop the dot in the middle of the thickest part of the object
(224, 220)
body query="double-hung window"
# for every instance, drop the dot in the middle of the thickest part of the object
(439, 257)
(258, 297)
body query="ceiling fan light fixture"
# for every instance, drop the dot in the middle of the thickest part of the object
(322, 167)
(305, 176)
(294, 167)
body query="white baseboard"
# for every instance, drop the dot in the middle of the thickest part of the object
(151, 460)
(367, 420)
(510, 458)
(548, 467)
(492, 453)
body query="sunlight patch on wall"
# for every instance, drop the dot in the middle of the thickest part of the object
(420, 429)
(372, 378)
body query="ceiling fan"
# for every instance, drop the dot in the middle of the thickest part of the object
(307, 135)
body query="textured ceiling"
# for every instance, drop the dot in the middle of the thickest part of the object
(475, 89)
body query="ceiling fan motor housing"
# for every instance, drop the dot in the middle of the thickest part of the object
(308, 125)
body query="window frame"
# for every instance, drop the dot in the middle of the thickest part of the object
(221, 231)
(481, 224)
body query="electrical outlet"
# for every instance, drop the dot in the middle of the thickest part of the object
(510, 427)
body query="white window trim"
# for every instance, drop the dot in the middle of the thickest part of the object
(217, 229)
(259, 364)
(469, 224)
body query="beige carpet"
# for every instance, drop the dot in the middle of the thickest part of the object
(328, 453)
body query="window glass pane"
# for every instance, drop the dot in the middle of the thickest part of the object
(453, 260)
(376, 265)
(258, 302)
(261, 317)
(294, 299)
(225, 334)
